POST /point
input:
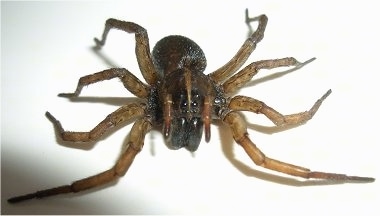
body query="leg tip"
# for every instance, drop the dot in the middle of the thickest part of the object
(326, 94)
(340, 177)
(98, 44)
(67, 95)
(50, 117)
(361, 179)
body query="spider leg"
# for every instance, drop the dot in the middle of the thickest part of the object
(238, 80)
(143, 55)
(130, 82)
(243, 103)
(245, 50)
(119, 116)
(240, 135)
(136, 142)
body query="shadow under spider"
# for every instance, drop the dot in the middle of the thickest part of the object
(103, 57)
(114, 101)
(270, 129)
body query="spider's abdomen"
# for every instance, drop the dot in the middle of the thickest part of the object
(175, 52)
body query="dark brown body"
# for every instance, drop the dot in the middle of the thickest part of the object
(182, 89)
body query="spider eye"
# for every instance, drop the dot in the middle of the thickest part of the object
(219, 101)
(194, 104)
(189, 107)
(183, 104)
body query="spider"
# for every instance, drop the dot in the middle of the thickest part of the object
(183, 101)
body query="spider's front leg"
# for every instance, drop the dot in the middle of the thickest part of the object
(135, 144)
(144, 58)
(119, 116)
(245, 50)
(240, 135)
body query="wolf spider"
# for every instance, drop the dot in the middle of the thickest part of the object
(183, 101)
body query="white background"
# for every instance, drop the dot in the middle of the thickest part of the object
(46, 47)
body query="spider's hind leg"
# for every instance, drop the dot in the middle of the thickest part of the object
(135, 144)
(239, 131)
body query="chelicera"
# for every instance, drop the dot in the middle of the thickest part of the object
(183, 101)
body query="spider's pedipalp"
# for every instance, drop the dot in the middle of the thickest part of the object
(206, 118)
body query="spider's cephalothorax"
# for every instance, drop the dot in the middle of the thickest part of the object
(183, 101)
(184, 91)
